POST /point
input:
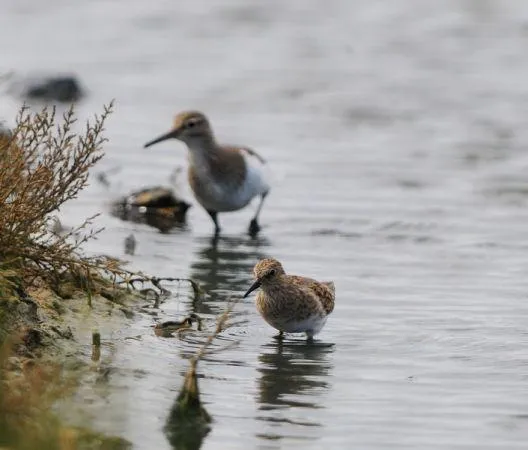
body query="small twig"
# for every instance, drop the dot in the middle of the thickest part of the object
(155, 281)
(219, 328)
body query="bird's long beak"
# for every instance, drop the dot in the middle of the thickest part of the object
(253, 287)
(173, 134)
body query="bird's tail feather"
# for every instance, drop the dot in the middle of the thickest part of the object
(330, 285)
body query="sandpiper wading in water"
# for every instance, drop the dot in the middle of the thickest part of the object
(223, 178)
(291, 303)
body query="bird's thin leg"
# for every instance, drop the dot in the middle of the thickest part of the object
(279, 336)
(254, 227)
(214, 217)
(214, 240)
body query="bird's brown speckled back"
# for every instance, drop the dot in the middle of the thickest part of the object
(292, 303)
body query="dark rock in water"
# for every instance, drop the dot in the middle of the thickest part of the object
(130, 244)
(166, 329)
(156, 206)
(154, 197)
(60, 88)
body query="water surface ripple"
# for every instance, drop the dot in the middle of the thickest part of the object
(397, 139)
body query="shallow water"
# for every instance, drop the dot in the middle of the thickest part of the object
(396, 136)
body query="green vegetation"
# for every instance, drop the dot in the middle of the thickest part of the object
(28, 391)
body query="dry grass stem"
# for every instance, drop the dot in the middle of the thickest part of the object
(44, 164)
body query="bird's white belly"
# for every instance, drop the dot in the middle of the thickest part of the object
(228, 197)
(313, 323)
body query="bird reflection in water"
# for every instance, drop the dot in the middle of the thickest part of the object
(293, 377)
(223, 267)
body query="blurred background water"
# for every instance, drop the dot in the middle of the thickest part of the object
(396, 135)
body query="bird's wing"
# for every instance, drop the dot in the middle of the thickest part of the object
(257, 168)
(326, 294)
(253, 153)
(325, 291)
(330, 285)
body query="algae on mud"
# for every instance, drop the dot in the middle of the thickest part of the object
(29, 389)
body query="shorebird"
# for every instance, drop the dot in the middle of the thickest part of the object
(223, 178)
(291, 303)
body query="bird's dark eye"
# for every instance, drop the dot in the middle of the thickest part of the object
(191, 124)
(271, 272)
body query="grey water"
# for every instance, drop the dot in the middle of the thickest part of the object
(398, 149)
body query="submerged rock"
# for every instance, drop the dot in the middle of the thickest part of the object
(156, 206)
(168, 328)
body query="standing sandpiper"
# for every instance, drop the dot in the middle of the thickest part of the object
(223, 178)
(290, 303)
